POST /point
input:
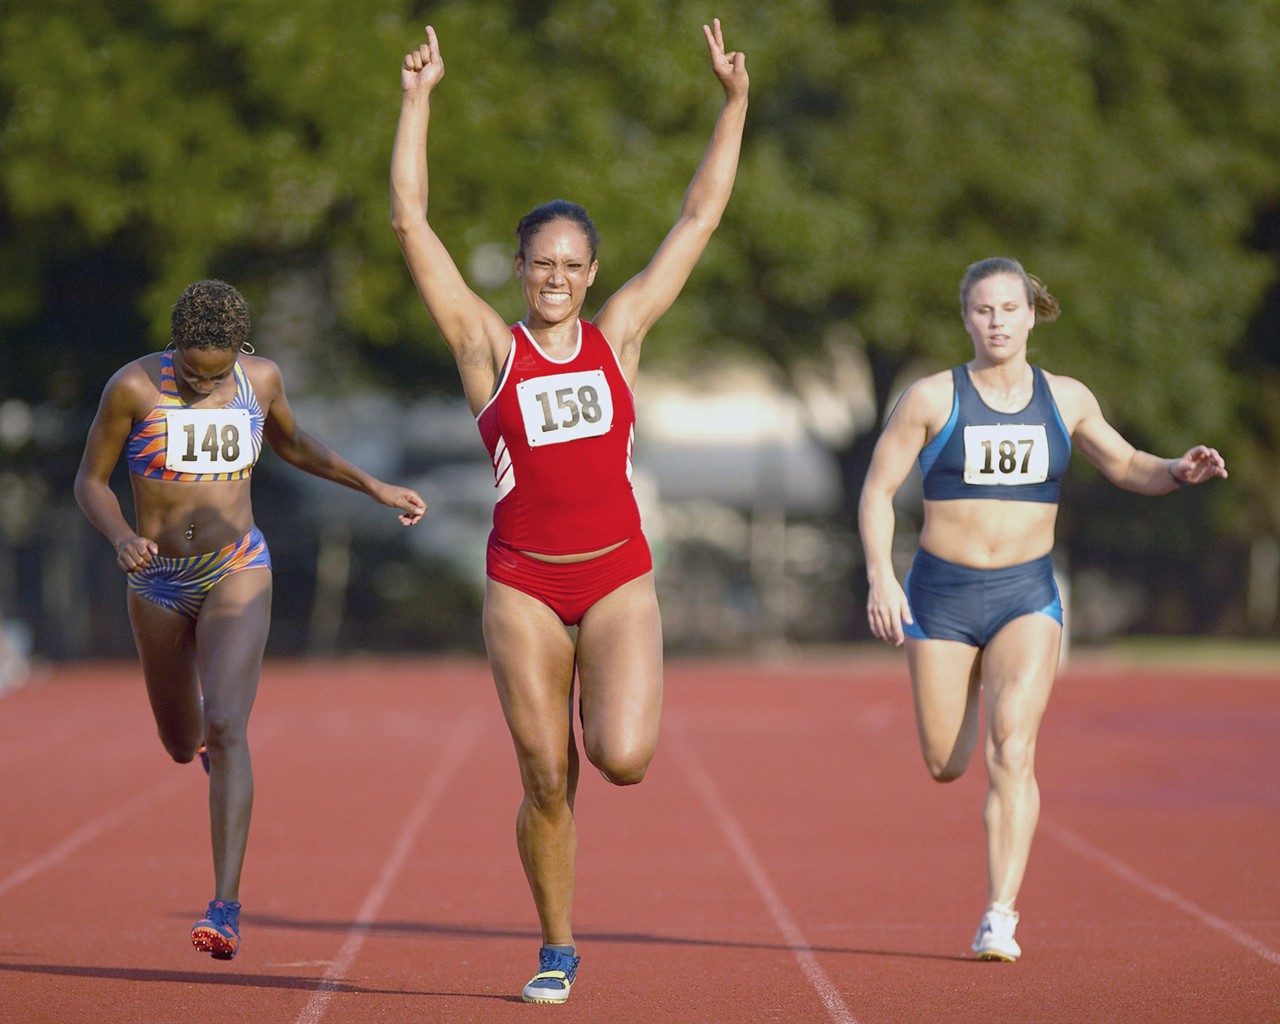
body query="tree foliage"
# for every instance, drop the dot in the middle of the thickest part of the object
(1125, 152)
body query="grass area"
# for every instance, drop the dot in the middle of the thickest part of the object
(1192, 652)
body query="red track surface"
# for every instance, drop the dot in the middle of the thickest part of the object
(787, 860)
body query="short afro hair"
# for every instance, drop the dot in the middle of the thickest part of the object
(210, 314)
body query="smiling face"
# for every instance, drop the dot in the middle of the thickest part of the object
(555, 271)
(999, 318)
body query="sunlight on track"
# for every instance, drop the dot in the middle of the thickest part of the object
(464, 737)
(795, 938)
(1122, 870)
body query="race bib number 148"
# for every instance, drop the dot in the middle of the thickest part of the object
(565, 407)
(208, 440)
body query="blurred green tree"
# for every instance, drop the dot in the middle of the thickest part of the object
(1123, 151)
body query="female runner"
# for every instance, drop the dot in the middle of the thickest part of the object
(553, 398)
(980, 613)
(191, 421)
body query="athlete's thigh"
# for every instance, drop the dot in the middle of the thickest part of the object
(231, 636)
(166, 643)
(945, 686)
(620, 666)
(531, 657)
(1018, 669)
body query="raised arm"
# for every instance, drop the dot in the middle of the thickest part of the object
(472, 329)
(628, 315)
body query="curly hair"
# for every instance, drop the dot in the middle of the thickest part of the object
(1038, 297)
(210, 314)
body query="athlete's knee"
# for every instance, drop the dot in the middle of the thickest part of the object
(943, 771)
(1012, 753)
(624, 774)
(621, 765)
(180, 741)
(546, 781)
(181, 749)
(946, 763)
(223, 733)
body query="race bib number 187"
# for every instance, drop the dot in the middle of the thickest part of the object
(1006, 453)
(565, 407)
(208, 440)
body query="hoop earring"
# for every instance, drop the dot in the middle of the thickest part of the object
(247, 349)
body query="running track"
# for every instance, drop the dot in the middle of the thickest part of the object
(787, 860)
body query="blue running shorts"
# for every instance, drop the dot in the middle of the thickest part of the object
(957, 602)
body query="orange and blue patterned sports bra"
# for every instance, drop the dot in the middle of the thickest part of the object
(176, 442)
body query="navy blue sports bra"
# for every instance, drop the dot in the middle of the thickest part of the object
(1005, 456)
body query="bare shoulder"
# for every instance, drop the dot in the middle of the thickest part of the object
(135, 386)
(264, 374)
(1072, 397)
(928, 398)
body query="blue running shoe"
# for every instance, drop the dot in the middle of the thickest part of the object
(556, 971)
(203, 754)
(218, 933)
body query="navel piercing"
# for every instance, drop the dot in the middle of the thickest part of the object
(191, 531)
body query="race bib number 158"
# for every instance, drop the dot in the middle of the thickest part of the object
(565, 407)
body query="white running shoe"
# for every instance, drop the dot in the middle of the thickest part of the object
(995, 940)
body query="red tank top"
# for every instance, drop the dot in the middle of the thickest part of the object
(559, 434)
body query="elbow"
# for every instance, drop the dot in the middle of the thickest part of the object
(80, 491)
(401, 218)
(404, 231)
(405, 221)
(702, 219)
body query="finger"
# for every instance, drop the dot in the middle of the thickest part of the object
(715, 22)
(431, 40)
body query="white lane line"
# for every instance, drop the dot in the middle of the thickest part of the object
(99, 826)
(741, 846)
(104, 823)
(439, 778)
(1122, 870)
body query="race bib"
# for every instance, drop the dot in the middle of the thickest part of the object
(208, 440)
(565, 407)
(1006, 453)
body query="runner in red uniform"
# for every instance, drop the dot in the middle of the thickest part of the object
(553, 399)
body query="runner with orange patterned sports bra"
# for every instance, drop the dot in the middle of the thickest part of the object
(191, 422)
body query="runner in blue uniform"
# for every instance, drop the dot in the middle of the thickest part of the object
(980, 613)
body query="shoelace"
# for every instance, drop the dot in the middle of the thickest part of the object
(554, 960)
(224, 915)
